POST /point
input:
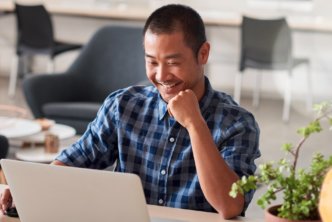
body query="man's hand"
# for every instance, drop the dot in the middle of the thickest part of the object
(6, 200)
(184, 108)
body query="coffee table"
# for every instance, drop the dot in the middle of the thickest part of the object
(37, 154)
(60, 130)
(31, 148)
(12, 127)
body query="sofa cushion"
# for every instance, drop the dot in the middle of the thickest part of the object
(72, 110)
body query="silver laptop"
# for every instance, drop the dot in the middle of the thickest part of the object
(43, 192)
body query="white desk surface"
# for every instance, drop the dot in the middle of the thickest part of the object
(166, 213)
(140, 13)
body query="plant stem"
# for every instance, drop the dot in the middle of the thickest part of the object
(297, 150)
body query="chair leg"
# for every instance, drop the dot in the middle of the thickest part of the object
(27, 64)
(237, 87)
(13, 76)
(50, 65)
(256, 92)
(309, 90)
(287, 98)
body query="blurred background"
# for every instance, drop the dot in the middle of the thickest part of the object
(310, 22)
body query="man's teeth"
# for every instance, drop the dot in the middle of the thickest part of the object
(169, 85)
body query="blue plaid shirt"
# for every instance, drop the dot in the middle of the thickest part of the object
(133, 128)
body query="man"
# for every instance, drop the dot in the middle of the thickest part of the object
(187, 142)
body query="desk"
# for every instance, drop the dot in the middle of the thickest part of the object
(127, 11)
(167, 213)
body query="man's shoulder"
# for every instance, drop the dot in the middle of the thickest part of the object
(226, 105)
(224, 100)
(217, 98)
(134, 92)
(132, 98)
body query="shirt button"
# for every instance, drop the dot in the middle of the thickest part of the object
(172, 139)
(163, 172)
(160, 201)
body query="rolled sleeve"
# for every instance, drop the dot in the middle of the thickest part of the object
(241, 147)
(97, 148)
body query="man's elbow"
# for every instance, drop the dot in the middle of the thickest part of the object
(58, 163)
(231, 210)
(230, 213)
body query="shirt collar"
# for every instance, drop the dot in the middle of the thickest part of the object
(206, 100)
(203, 103)
(162, 107)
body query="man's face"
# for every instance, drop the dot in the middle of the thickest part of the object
(172, 66)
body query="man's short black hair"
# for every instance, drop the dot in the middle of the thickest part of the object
(176, 17)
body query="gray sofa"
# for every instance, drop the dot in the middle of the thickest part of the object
(112, 59)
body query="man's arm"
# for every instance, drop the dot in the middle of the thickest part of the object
(58, 163)
(215, 177)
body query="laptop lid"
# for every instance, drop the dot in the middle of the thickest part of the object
(44, 192)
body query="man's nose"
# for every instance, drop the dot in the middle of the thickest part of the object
(162, 74)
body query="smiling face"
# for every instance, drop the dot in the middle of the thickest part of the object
(172, 66)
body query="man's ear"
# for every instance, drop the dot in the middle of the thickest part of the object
(203, 53)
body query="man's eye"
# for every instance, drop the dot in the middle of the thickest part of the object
(172, 63)
(152, 62)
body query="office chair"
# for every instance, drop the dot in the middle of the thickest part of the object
(34, 36)
(267, 45)
(112, 59)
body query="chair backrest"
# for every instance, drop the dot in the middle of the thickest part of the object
(266, 42)
(34, 26)
(112, 59)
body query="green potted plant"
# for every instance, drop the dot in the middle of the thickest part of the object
(300, 188)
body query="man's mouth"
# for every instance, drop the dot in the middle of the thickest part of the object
(169, 89)
(169, 86)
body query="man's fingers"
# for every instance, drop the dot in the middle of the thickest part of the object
(6, 199)
(169, 111)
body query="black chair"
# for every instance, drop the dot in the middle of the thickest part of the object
(112, 59)
(4, 147)
(266, 44)
(34, 36)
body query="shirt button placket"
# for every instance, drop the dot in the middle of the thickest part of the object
(163, 173)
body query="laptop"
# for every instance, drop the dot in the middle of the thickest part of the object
(44, 192)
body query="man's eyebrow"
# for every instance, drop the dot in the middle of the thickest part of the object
(171, 56)
(150, 56)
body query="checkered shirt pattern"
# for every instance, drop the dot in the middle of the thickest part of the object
(134, 130)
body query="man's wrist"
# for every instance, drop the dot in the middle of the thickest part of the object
(196, 124)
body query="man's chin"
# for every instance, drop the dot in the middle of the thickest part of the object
(167, 97)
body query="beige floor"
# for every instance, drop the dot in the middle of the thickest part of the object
(273, 131)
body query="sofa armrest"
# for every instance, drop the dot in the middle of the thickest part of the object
(46, 88)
